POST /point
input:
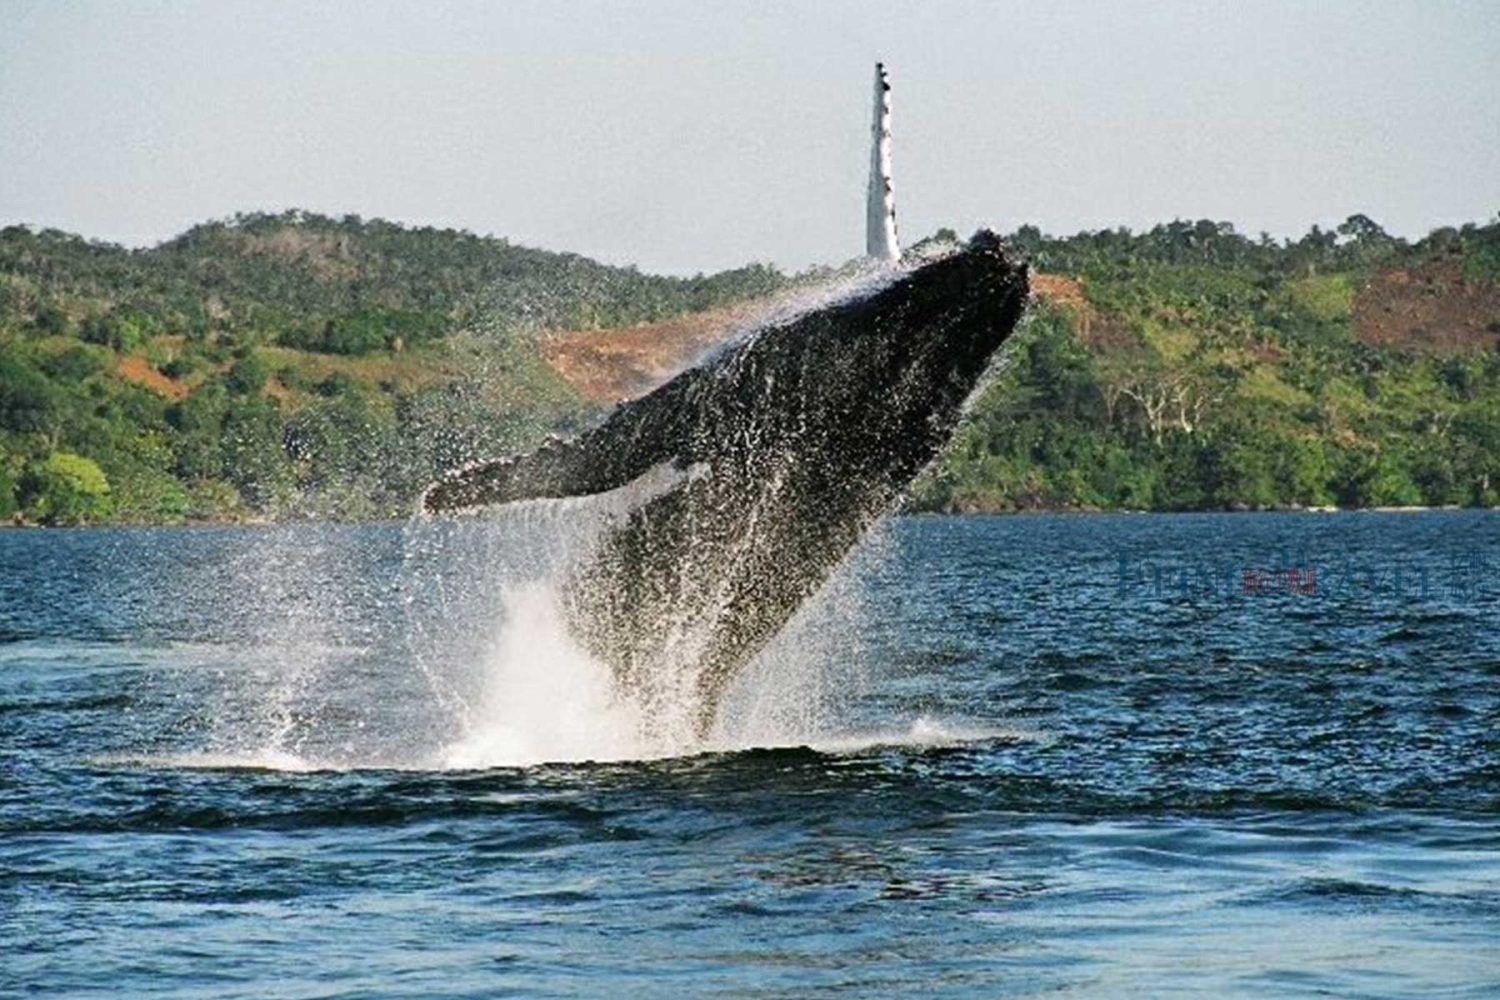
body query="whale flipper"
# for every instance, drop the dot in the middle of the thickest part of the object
(638, 436)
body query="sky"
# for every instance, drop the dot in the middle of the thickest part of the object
(693, 136)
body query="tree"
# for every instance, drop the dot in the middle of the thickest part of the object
(253, 457)
(249, 376)
(10, 485)
(28, 400)
(49, 320)
(67, 489)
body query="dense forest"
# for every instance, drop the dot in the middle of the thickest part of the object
(1191, 368)
(288, 365)
(294, 365)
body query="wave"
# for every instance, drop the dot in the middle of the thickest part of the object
(506, 750)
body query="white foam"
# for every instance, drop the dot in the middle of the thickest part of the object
(532, 743)
(544, 700)
(267, 759)
(492, 677)
(925, 733)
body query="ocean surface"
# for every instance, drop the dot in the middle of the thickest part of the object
(1075, 756)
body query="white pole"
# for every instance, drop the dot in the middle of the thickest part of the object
(880, 208)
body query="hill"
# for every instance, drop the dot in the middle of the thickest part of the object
(296, 365)
(289, 365)
(1191, 367)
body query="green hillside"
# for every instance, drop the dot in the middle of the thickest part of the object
(289, 365)
(295, 365)
(1191, 367)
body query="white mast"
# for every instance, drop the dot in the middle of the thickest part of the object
(880, 207)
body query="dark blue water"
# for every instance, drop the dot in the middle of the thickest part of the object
(1235, 755)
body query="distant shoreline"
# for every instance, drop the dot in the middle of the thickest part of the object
(1024, 512)
(337, 365)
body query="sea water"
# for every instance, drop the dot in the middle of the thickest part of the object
(1198, 755)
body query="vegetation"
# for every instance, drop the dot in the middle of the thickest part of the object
(295, 365)
(1193, 368)
(289, 365)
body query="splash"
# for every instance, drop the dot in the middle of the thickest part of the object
(441, 645)
(543, 700)
(470, 653)
(488, 632)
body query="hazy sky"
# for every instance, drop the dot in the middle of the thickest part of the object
(700, 135)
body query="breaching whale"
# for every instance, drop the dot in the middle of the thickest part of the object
(783, 450)
(763, 466)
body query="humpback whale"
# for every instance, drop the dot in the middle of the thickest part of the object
(767, 464)
(756, 472)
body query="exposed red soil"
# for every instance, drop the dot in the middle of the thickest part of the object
(277, 391)
(138, 370)
(1096, 330)
(608, 366)
(1059, 290)
(1429, 309)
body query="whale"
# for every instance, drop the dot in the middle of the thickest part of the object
(765, 465)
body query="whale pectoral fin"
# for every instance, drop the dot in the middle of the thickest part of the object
(557, 470)
(543, 473)
(637, 437)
